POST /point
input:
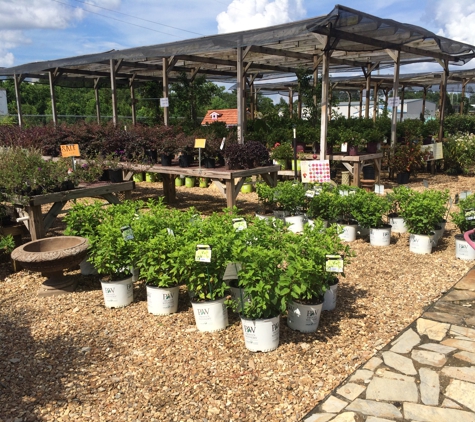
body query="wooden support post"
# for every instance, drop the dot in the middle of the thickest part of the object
(165, 89)
(132, 100)
(114, 92)
(98, 103)
(325, 105)
(401, 113)
(240, 96)
(443, 93)
(18, 80)
(424, 95)
(51, 75)
(396, 56)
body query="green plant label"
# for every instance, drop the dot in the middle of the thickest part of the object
(203, 253)
(127, 233)
(310, 193)
(239, 224)
(470, 214)
(334, 263)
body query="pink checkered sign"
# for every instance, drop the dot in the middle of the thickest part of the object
(315, 171)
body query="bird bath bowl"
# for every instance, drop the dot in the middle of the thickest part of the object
(50, 256)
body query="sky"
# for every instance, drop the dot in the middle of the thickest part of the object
(37, 30)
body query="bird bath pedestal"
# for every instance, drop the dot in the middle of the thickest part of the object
(51, 256)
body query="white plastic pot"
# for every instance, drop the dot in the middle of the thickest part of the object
(304, 318)
(162, 300)
(380, 236)
(118, 294)
(349, 232)
(397, 224)
(329, 299)
(462, 249)
(296, 223)
(261, 335)
(210, 315)
(420, 243)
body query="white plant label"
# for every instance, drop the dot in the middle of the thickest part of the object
(170, 232)
(239, 224)
(203, 253)
(379, 189)
(310, 193)
(127, 233)
(425, 183)
(470, 214)
(334, 263)
(344, 147)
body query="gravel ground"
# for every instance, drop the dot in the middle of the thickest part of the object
(68, 358)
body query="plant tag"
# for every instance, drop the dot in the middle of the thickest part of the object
(379, 189)
(310, 193)
(425, 183)
(170, 231)
(222, 144)
(127, 233)
(334, 263)
(351, 192)
(470, 214)
(344, 193)
(239, 224)
(318, 189)
(203, 253)
(464, 194)
(344, 147)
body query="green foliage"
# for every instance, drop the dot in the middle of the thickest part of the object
(459, 154)
(84, 218)
(407, 157)
(324, 205)
(459, 218)
(344, 203)
(290, 196)
(424, 210)
(369, 209)
(7, 244)
(282, 151)
(399, 197)
(456, 123)
(410, 129)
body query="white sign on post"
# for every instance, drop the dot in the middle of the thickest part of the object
(164, 102)
(394, 102)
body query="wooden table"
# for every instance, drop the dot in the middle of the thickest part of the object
(37, 223)
(233, 179)
(355, 163)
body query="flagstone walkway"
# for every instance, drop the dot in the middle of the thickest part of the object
(426, 374)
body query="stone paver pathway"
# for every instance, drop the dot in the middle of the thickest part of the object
(426, 374)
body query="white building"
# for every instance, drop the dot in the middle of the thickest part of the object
(412, 109)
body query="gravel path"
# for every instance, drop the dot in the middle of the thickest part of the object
(68, 358)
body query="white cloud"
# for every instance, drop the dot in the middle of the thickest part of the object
(250, 14)
(455, 19)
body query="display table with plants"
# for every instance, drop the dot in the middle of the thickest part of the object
(229, 182)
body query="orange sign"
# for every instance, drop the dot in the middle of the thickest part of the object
(71, 150)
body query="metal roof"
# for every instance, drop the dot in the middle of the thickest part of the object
(356, 39)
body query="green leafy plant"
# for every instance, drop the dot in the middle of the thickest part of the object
(369, 209)
(7, 244)
(290, 196)
(344, 203)
(399, 197)
(425, 210)
(459, 154)
(84, 218)
(407, 157)
(323, 205)
(282, 151)
(459, 218)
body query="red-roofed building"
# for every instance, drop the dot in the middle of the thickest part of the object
(228, 116)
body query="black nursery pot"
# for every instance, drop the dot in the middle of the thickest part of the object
(115, 176)
(185, 160)
(151, 156)
(403, 178)
(209, 163)
(166, 159)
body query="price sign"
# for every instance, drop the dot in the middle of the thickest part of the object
(71, 150)
(203, 253)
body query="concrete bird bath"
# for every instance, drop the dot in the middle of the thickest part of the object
(51, 256)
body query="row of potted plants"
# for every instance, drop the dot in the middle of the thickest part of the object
(169, 248)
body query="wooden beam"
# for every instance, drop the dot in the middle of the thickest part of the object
(132, 100)
(397, 65)
(53, 97)
(240, 95)
(443, 93)
(96, 96)
(18, 79)
(325, 105)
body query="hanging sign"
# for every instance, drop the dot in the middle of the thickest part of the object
(70, 150)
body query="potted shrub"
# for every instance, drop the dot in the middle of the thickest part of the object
(422, 213)
(112, 254)
(290, 203)
(323, 205)
(406, 159)
(258, 250)
(305, 273)
(344, 204)
(398, 197)
(282, 154)
(205, 281)
(266, 197)
(7, 244)
(464, 222)
(369, 210)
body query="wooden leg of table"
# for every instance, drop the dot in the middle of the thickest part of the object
(230, 193)
(35, 222)
(377, 167)
(53, 212)
(356, 174)
(169, 190)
